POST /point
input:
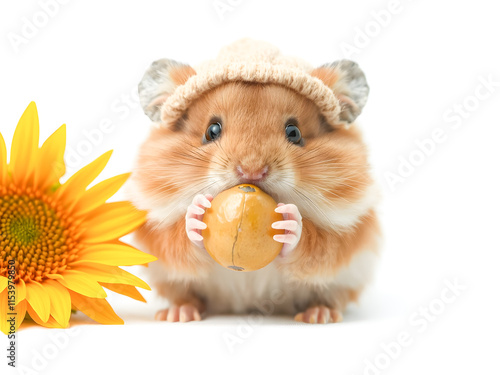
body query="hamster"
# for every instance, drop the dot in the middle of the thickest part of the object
(270, 136)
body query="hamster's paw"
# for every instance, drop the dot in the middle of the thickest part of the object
(319, 314)
(194, 217)
(292, 226)
(184, 313)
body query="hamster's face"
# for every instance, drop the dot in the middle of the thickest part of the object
(262, 134)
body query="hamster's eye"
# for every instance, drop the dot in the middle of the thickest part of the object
(293, 134)
(213, 132)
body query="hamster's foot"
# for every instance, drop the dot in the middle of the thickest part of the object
(186, 312)
(319, 314)
(292, 224)
(194, 217)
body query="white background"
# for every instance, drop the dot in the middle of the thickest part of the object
(441, 223)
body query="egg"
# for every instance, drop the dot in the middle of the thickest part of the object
(239, 235)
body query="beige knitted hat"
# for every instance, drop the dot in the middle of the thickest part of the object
(169, 87)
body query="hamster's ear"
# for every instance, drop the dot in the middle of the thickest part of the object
(348, 83)
(159, 82)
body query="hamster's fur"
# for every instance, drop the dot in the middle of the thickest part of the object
(327, 178)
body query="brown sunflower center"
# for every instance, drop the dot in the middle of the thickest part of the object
(36, 233)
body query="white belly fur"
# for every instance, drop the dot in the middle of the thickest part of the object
(267, 291)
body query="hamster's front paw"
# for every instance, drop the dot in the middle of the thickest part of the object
(194, 217)
(292, 226)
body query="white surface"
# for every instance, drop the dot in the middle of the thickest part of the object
(441, 223)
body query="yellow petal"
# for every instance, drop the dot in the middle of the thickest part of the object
(100, 193)
(110, 274)
(20, 288)
(82, 283)
(25, 146)
(114, 255)
(38, 299)
(50, 164)
(95, 308)
(50, 323)
(54, 276)
(10, 312)
(20, 291)
(3, 283)
(126, 290)
(72, 190)
(60, 301)
(3, 162)
(111, 221)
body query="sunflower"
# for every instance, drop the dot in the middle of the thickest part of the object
(59, 243)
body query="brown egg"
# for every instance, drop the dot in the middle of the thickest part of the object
(239, 235)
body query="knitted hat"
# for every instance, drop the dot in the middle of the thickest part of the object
(169, 87)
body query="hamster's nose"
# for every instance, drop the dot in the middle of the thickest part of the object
(249, 175)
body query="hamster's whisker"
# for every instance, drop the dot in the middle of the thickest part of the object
(341, 181)
(343, 184)
(200, 183)
(361, 183)
(315, 153)
(222, 149)
(199, 158)
(329, 191)
(312, 205)
(323, 163)
(202, 153)
(221, 161)
(198, 153)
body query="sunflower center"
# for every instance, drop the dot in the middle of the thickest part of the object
(24, 229)
(36, 233)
